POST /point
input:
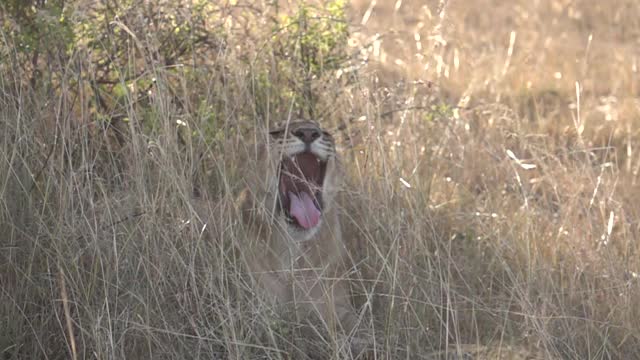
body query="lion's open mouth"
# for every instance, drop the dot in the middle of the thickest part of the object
(301, 179)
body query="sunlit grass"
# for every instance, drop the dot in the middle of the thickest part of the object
(491, 202)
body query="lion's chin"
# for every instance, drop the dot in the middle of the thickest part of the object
(300, 189)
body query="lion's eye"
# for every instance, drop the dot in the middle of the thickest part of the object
(276, 133)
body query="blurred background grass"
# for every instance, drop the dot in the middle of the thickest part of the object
(490, 147)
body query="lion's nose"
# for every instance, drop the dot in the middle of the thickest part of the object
(307, 135)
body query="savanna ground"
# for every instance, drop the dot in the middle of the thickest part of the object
(491, 150)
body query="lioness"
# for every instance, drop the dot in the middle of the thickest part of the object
(289, 208)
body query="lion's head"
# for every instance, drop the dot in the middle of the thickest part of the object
(297, 171)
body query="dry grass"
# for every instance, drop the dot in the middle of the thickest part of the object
(493, 202)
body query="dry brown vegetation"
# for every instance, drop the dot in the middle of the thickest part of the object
(492, 206)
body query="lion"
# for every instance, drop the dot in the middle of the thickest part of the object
(289, 207)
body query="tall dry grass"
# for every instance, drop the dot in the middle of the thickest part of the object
(491, 199)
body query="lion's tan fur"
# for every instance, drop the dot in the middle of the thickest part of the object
(306, 272)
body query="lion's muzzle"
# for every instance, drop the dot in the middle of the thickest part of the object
(300, 187)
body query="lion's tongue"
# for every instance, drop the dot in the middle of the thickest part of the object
(304, 210)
